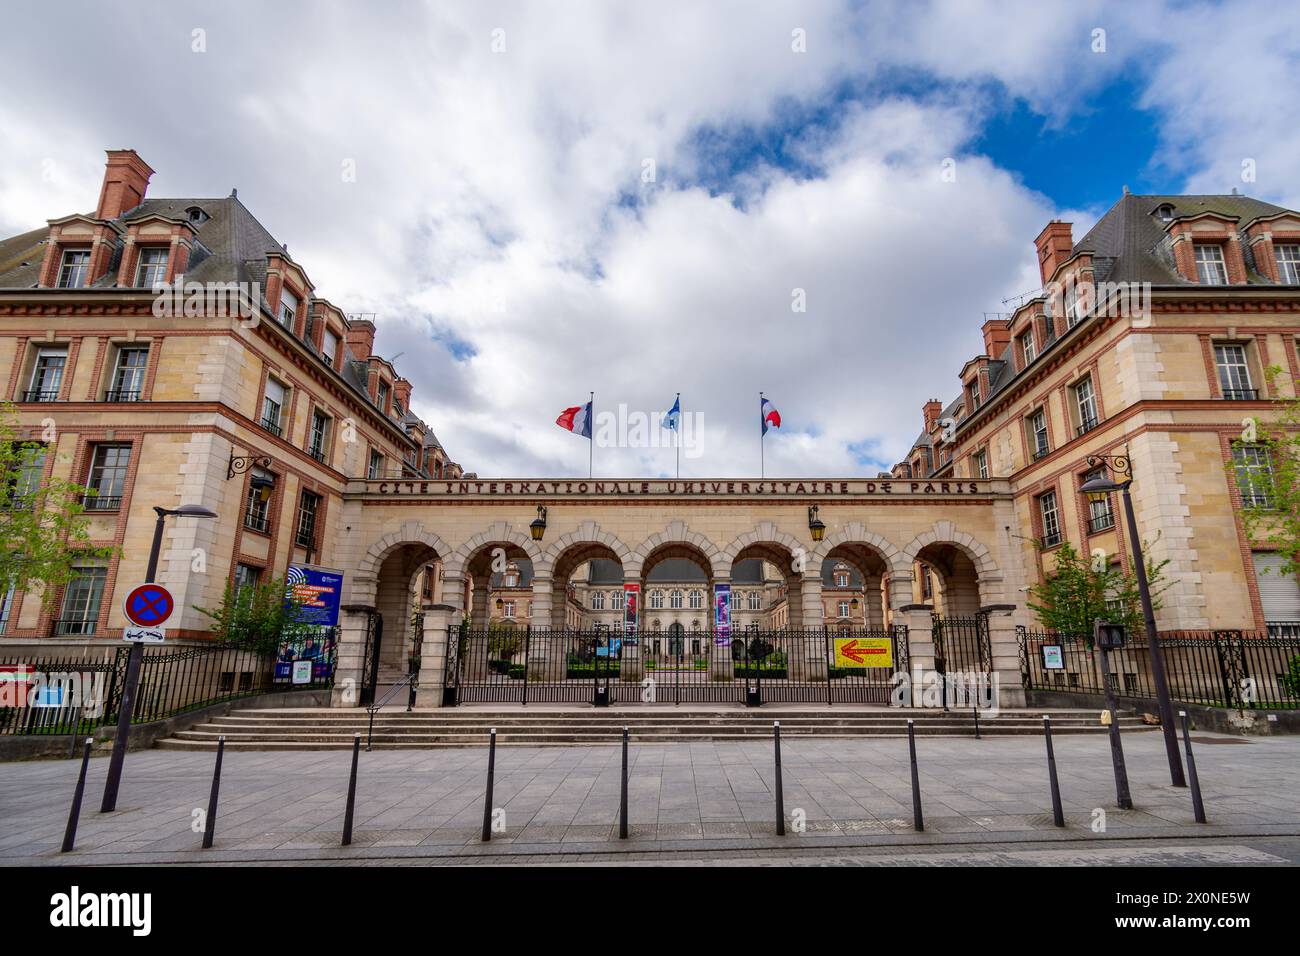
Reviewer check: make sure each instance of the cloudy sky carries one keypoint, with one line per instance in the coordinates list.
(631, 198)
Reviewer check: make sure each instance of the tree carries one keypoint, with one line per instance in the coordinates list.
(43, 536)
(1081, 591)
(259, 616)
(1271, 495)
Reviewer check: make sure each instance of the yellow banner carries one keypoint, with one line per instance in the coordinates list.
(864, 652)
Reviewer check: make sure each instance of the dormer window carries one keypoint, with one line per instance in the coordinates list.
(1028, 350)
(152, 269)
(1288, 263)
(973, 395)
(288, 307)
(329, 346)
(196, 215)
(1210, 267)
(1165, 212)
(74, 268)
(382, 400)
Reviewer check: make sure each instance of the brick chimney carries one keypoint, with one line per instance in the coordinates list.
(126, 177)
(931, 410)
(360, 337)
(1054, 246)
(402, 392)
(997, 336)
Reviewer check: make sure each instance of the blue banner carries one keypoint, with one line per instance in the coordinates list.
(318, 592)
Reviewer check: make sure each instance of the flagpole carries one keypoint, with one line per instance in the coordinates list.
(677, 433)
(591, 441)
(762, 465)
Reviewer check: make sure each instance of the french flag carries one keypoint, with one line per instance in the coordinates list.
(576, 419)
(770, 416)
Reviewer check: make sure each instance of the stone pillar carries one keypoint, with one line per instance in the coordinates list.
(351, 655)
(542, 637)
(1006, 657)
(808, 650)
(438, 620)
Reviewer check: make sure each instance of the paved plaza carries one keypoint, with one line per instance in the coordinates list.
(698, 801)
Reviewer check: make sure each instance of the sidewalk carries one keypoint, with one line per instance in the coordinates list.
(562, 802)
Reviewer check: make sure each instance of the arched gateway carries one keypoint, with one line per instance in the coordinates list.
(671, 590)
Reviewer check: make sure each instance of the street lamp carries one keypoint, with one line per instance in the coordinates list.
(538, 527)
(1096, 490)
(136, 655)
(815, 524)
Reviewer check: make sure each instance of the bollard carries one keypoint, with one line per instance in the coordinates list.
(210, 827)
(1058, 815)
(976, 710)
(352, 791)
(487, 800)
(622, 800)
(1198, 808)
(70, 834)
(780, 789)
(917, 820)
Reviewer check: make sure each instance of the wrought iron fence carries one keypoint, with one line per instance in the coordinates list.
(77, 694)
(1253, 669)
(551, 665)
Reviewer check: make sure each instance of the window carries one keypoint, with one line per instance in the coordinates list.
(307, 509)
(256, 507)
(973, 395)
(74, 268)
(1234, 373)
(697, 599)
(1100, 516)
(1288, 263)
(1073, 310)
(1254, 475)
(81, 601)
(616, 600)
(1038, 434)
(273, 406)
(319, 436)
(676, 600)
(598, 600)
(1085, 403)
(107, 479)
(981, 464)
(329, 346)
(755, 601)
(151, 271)
(6, 606)
(1165, 212)
(1051, 519)
(382, 400)
(508, 608)
(735, 600)
(841, 578)
(47, 375)
(128, 375)
(376, 469)
(844, 608)
(246, 576)
(656, 599)
(927, 583)
(29, 469)
(1028, 350)
(288, 307)
(1210, 268)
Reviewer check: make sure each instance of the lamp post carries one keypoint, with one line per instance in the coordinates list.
(134, 659)
(1096, 490)
(815, 524)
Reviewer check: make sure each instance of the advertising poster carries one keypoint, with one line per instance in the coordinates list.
(318, 592)
(631, 610)
(317, 649)
(722, 614)
(1053, 657)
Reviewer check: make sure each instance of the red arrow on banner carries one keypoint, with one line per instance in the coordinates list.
(853, 652)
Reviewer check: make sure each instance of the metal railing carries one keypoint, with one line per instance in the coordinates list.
(1253, 669)
(1085, 426)
(101, 502)
(41, 395)
(1240, 394)
(1102, 522)
(122, 395)
(272, 427)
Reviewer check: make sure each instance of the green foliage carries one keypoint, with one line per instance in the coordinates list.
(1078, 593)
(42, 532)
(1275, 520)
(258, 616)
(1291, 679)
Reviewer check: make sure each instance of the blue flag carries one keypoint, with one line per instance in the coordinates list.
(674, 413)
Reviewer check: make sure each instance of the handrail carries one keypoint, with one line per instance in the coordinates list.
(409, 679)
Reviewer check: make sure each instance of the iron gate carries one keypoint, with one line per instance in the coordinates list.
(370, 662)
(962, 646)
(556, 665)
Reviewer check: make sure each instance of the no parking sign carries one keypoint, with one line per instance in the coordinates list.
(147, 607)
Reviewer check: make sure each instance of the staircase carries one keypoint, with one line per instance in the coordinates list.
(334, 729)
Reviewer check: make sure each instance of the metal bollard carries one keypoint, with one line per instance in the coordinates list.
(70, 834)
(1058, 815)
(210, 826)
(487, 800)
(917, 821)
(1198, 807)
(780, 789)
(976, 710)
(352, 791)
(622, 804)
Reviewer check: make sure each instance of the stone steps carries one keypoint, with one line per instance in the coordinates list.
(335, 729)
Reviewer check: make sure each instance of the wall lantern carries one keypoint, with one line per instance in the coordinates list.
(815, 524)
(262, 485)
(538, 527)
(853, 605)
(500, 604)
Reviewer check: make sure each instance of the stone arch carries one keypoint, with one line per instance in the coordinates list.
(563, 557)
(969, 576)
(587, 533)
(410, 533)
(677, 533)
(945, 532)
(499, 532)
(855, 532)
(780, 549)
(876, 559)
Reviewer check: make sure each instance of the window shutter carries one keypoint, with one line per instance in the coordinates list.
(1279, 593)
